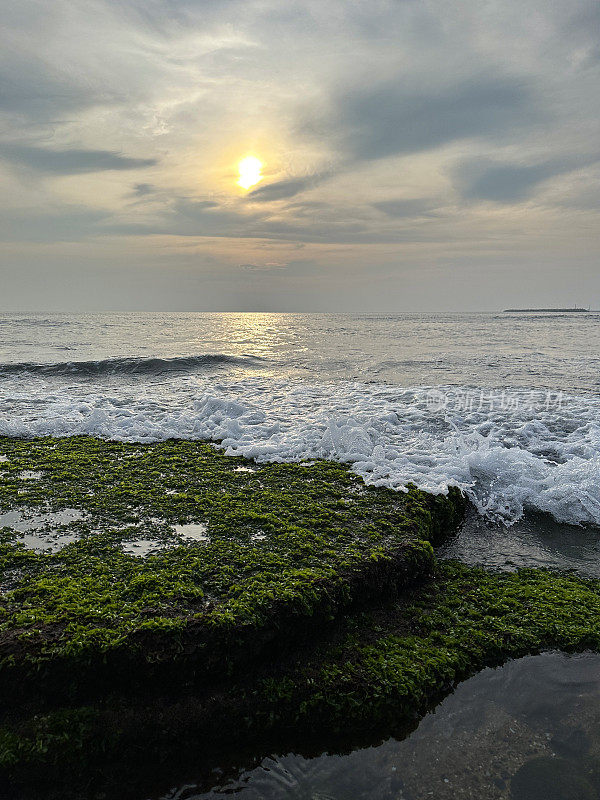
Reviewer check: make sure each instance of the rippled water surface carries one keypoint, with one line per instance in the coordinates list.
(529, 730)
(555, 351)
(534, 541)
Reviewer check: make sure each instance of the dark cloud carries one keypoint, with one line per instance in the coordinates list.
(390, 119)
(584, 28)
(70, 162)
(281, 190)
(278, 190)
(143, 189)
(185, 217)
(31, 89)
(511, 183)
(200, 219)
(194, 208)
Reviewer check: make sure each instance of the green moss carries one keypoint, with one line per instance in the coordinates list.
(388, 666)
(289, 545)
(383, 669)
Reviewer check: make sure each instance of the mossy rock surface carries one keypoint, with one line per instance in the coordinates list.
(285, 548)
(404, 655)
(118, 672)
(374, 675)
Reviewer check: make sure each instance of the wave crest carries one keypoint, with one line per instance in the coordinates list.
(128, 366)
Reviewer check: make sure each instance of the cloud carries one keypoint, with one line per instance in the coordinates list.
(194, 208)
(70, 162)
(503, 182)
(393, 103)
(583, 27)
(143, 189)
(62, 224)
(38, 91)
(327, 225)
(405, 208)
(269, 266)
(281, 190)
(389, 119)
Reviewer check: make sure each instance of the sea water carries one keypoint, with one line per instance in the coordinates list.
(505, 406)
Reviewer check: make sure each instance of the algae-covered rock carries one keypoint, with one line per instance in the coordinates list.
(374, 675)
(126, 563)
(117, 667)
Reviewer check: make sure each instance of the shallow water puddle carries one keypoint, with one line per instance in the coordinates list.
(43, 531)
(141, 547)
(527, 731)
(27, 519)
(196, 531)
(48, 542)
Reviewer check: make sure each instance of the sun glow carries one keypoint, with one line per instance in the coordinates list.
(250, 174)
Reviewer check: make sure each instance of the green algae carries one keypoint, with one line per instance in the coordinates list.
(374, 676)
(288, 546)
(115, 669)
(466, 619)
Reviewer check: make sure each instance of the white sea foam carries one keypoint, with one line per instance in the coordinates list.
(508, 457)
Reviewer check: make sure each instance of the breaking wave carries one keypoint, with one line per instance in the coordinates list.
(510, 458)
(128, 366)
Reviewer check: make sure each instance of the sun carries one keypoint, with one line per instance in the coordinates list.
(250, 174)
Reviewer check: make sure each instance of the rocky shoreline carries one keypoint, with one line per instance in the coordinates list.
(309, 609)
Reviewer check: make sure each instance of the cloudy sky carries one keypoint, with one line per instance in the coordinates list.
(417, 154)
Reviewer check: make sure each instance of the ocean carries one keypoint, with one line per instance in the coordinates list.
(505, 406)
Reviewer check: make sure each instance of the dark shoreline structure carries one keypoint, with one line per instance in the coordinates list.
(573, 310)
(313, 615)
